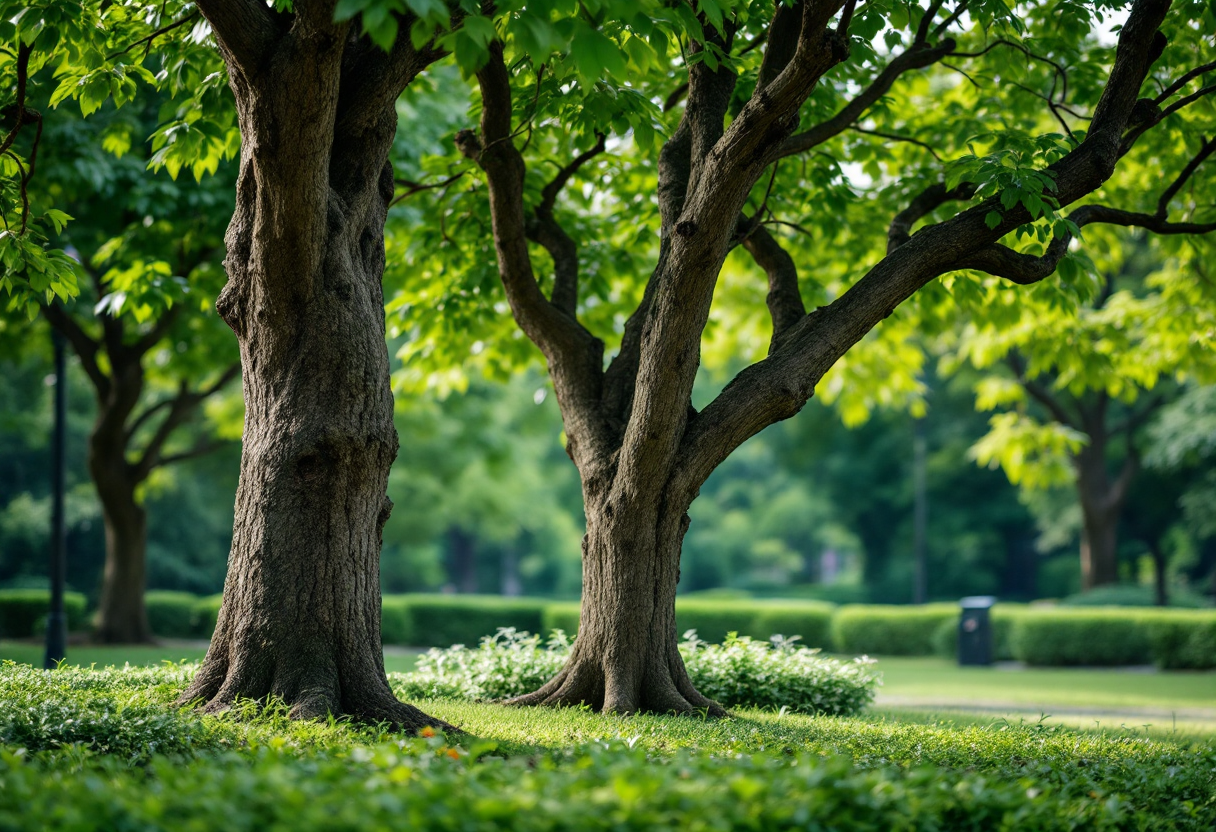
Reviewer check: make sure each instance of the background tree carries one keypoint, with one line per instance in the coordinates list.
(890, 89)
(1079, 385)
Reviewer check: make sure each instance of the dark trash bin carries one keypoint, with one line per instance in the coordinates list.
(975, 640)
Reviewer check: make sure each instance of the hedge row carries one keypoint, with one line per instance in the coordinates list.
(23, 611)
(1104, 636)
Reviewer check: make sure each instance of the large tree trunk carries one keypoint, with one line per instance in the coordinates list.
(625, 658)
(300, 619)
(122, 617)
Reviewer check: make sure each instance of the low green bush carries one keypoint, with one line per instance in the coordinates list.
(442, 620)
(1182, 640)
(206, 611)
(714, 618)
(87, 750)
(23, 611)
(740, 673)
(890, 630)
(1095, 636)
(945, 638)
(396, 620)
(560, 615)
(1133, 595)
(810, 621)
(172, 614)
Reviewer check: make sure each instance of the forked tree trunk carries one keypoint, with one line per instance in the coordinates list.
(625, 658)
(300, 619)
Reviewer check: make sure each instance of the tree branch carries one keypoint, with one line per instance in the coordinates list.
(182, 408)
(777, 387)
(784, 300)
(917, 56)
(159, 330)
(1205, 150)
(900, 230)
(1039, 392)
(575, 357)
(545, 230)
(85, 347)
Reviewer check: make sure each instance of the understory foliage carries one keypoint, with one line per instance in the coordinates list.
(740, 673)
(104, 749)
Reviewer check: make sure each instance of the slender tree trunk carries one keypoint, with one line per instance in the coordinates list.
(625, 658)
(300, 619)
(1161, 595)
(462, 560)
(1101, 507)
(122, 617)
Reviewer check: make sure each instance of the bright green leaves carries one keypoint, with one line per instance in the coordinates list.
(33, 273)
(1032, 454)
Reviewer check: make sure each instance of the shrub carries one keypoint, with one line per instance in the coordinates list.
(890, 630)
(560, 615)
(741, 673)
(1094, 636)
(172, 614)
(945, 638)
(206, 611)
(1182, 640)
(465, 619)
(396, 620)
(714, 618)
(1133, 595)
(23, 611)
(810, 621)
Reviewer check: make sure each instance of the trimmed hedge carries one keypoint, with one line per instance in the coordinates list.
(890, 630)
(1097, 636)
(1108, 636)
(23, 611)
(945, 639)
(396, 620)
(714, 619)
(1183, 640)
(206, 611)
(442, 620)
(172, 614)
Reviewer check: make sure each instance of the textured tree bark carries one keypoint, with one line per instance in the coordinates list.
(300, 619)
(625, 658)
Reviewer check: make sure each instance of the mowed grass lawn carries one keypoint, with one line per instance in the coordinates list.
(916, 689)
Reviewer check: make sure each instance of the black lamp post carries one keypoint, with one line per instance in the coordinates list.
(56, 622)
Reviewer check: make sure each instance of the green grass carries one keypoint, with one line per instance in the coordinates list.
(395, 660)
(105, 750)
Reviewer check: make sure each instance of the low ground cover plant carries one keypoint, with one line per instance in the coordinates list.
(741, 672)
(158, 767)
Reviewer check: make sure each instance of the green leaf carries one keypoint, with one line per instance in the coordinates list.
(992, 219)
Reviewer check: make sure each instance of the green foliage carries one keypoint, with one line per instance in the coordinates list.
(465, 619)
(1183, 642)
(890, 630)
(172, 614)
(78, 767)
(1125, 595)
(945, 638)
(1100, 637)
(23, 611)
(740, 673)
(206, 611)
(396, 620)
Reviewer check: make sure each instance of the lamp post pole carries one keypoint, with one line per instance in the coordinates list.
(56, 622)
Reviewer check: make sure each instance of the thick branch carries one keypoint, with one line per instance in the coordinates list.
(245, 29)
(575, 357)
(182, 408)
(923, 203)
(1039, 392)
(546, 230)
(777, 387)
(85, 347)
(784, 300)
(917, 56)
